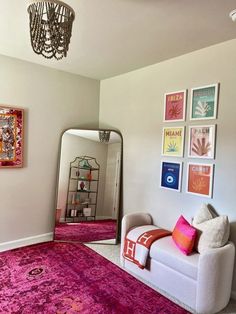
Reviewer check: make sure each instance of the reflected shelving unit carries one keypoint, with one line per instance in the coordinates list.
(82, 191)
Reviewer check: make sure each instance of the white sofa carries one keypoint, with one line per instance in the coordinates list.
(201, 281)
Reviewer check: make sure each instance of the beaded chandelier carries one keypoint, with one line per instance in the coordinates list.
(50, 27)
(104, 136)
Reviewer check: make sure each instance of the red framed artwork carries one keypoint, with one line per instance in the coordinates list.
(200, 177)
(174, 106)
(11, 137)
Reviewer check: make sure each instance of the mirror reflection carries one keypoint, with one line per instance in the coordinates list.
(88, 186)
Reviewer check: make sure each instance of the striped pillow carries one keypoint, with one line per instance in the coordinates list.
(184, 235)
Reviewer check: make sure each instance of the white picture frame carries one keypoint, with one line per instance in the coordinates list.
(201, 141)
(204, 102)
(175, 109)
(201, 182)
(173, 141)
(171, 179)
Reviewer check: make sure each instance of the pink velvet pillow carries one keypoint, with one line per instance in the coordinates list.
(184, 235)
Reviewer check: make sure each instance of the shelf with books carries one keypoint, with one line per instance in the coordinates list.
(84, 203)
(82, 188)
(84, 179)
(84, 168)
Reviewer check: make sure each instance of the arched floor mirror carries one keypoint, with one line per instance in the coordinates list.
(88, 188)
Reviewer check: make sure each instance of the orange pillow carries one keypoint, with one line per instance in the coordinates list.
(184, 235)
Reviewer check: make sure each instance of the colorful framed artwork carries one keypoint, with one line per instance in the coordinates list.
(204, 101)
(171, 175)
(174, 106)
(11, 137)
(173, 141)
(201, 141)
(199, 179)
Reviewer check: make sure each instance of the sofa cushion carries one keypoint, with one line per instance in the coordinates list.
(203, 214)
(184, 235)
(213, 231)
(165, 251)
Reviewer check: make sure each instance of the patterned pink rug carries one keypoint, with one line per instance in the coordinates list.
(86, 231)
(69, 278)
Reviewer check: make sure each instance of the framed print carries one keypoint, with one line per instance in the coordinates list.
(11, 137)
(199, 179)
(171, 175)
(174, 106)
(202, 141)
(173, 141)
(204, 102)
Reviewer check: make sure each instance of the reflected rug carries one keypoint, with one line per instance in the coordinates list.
(86, 231)
(69, 278)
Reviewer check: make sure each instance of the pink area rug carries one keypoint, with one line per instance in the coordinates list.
(69, 278)
(86, 231)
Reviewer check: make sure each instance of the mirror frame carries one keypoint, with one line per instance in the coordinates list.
(120, 207)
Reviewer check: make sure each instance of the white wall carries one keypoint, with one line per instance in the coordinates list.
(53, 101)
(133, 103)
(114, 150)
(72, 147)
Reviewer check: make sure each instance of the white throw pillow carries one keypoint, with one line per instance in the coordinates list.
(203, 214)
(213, 232)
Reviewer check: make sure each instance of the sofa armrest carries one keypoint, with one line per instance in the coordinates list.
(129, 221)
(215, 273)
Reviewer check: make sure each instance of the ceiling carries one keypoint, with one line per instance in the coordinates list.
(111, 37)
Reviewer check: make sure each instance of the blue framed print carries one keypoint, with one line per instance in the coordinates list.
(171, 175)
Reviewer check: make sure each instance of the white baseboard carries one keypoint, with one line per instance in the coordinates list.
(233, 294)
(62, 220)
(5, 246)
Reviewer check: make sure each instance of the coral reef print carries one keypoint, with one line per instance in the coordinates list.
(175, 106)
(201, 148)
(67, 278)
(202, 109)
(202, 141)
(199, 185)
(204, 102)
(200, 179)
(174, 112)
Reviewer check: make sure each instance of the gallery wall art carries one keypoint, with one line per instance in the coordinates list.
(200, 178)
(173, 141)
(11, 137)
(204, 101)
(171, 175)
(201, 141)
(174, 106)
